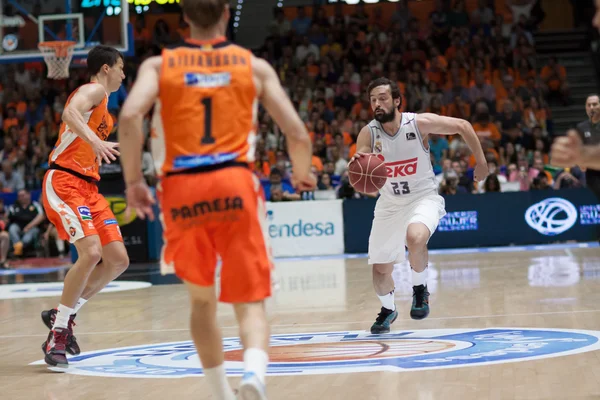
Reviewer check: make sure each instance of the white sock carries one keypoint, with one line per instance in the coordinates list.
(256, 361)
(218, 382)
(60, 246)
(387, 301)
(79, 304)
(62, 317)
(419, 278)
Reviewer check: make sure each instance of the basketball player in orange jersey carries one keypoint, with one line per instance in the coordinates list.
(73, 204)
(205, 96)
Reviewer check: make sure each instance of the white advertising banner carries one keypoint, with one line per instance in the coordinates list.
(306, 228)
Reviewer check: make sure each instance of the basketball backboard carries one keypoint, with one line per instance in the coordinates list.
(25, 23)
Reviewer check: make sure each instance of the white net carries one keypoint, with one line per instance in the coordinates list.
(58, 56)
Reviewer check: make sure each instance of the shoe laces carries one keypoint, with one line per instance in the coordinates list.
(383, 314)
(60, 339)
(419, 295)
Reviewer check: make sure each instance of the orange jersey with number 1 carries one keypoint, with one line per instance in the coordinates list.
(212, 205)
(207, 107)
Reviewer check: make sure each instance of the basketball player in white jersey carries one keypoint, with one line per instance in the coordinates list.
(409, 208)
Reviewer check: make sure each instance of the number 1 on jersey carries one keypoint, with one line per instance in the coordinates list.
(207, 137)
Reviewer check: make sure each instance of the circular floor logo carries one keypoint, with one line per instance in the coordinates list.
(31, 290)
(345, 352)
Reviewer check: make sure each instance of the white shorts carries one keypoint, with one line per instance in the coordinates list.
(388, 233)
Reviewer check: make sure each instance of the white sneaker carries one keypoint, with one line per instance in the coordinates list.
(251, 388)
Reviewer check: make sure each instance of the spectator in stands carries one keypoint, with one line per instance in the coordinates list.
(483, 13)
(554, 77)
(438, 147)
(569, 178)
(24, 219)
(491, 184)
(276, 181)
(51, 234)
(4, 237)
(464, 180)
(11, 180)
(301, 24)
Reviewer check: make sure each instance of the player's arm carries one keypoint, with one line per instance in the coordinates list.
(363, 144)
(278, 105)
(87, 97)
(139, 102)
(440, 125)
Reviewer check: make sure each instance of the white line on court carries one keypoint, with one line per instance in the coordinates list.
(320, 323)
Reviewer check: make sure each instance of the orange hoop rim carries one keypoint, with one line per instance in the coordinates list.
(57, 45)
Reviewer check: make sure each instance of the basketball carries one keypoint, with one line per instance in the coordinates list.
(367, 174)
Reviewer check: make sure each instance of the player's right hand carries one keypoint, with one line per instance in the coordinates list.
(140, 198)
(106, 151)
(304, 184)
(356, 156)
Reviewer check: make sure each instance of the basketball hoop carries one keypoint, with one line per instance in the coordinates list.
(57, 55)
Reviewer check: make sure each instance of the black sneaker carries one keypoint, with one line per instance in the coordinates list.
(420, 304)
(48, 318)
(55, 347)
(384, 319)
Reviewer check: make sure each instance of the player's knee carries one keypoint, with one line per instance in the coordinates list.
(417, 238)
(383, 269)
(92, 255)
(120, 263)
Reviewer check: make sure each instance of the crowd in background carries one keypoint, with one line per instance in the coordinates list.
(468, 65)
(462, 64)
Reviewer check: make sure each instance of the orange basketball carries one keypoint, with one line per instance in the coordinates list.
(367, 174)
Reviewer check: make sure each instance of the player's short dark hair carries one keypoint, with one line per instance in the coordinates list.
(204, 13)
(592, 95)
(385, 81)
(100, 56)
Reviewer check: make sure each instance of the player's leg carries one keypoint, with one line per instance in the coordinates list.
(246, 274)
(64, 205)
(114, 255)
(190, 250)
(385, 248)
(423, 221)
(207, 338)
(61, 338)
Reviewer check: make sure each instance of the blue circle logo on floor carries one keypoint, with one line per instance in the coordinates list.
(346, 352)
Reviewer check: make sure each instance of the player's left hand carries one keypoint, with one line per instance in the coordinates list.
(140, 198)
(567, 150)
(304, 184)
(481, 172)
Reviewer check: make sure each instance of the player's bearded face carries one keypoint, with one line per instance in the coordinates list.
(384, 114)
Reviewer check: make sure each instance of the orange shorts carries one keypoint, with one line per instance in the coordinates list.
(77, 210)
(217, 213)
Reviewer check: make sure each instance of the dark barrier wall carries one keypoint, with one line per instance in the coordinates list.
(494, 219)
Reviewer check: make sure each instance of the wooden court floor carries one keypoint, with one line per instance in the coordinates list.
(514, 325)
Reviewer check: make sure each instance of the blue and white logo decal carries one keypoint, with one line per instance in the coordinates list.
(589, 214)
(458, 221)
(84, 213)
(551, 216)
(219, 79)
(346, 352)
